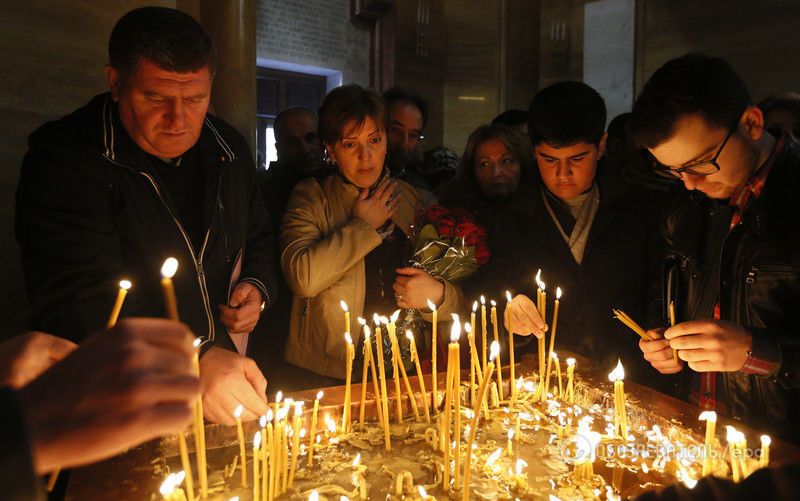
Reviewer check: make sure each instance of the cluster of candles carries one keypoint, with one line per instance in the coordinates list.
(277, 446)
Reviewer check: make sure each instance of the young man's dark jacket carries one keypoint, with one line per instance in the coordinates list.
(615, 271)
(755, 273)
(92, 210)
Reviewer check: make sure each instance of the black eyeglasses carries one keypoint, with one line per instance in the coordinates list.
(702, 168)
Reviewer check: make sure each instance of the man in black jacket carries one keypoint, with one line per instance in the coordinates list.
(733, 237)
(141, 174)
(577, 222)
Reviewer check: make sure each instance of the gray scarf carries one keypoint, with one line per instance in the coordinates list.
(583, 208)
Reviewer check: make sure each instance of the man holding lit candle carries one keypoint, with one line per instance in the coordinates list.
(139, 174)
(733, 237)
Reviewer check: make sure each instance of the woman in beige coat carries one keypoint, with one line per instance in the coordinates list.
(346, 237)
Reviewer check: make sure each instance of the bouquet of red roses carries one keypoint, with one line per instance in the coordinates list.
(450, 243)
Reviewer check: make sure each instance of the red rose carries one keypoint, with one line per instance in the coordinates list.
(446, 228)
(435, 213)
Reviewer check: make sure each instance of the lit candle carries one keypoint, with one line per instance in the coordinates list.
(763, 460)
(511, 357)
(170, 489)
(434, 349)
(620, 414)
(476, 410)
(541, 391)
(366, 353)
(741, 444)
(586, 442)
(384, 394)
(314, 496)
(497, 339)
(571, 381)
(509, 445)
(298, 414)
(276, 405)
(710, 417)
(672, 323)
(267, 455)
(242, 452)
(168, 270)
(390, 331)
(311, 438)
(558, 374)
(420, 377)
(455, 347)
(471, 339)
(484, 346)
(350, 354)
(256, 451)
(346, 315)
(124, 285)
(358, 477)
(472, 317)
(552, 341)
(521, 480)
(732, 438)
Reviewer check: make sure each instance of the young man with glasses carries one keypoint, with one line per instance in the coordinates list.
(733, 244)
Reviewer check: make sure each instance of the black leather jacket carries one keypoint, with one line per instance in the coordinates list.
(754, 270)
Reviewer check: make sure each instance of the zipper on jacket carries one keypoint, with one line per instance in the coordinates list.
(198, 265)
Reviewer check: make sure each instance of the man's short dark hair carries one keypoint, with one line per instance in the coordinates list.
(277, 125)
(346, 104)
(694, 83)
(566, 113)
(514, 118)
(405, 94)
(171, 39)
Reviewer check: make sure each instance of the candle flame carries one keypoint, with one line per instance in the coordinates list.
(431, 306)
(708, 416)
(384, 320)
(197, 342)
(237, 413)
(262, 421)
(357, 460)
(455, 331)
(319, 395)
(544, 287)
(521, 464)
(332, 426)
(494, 351)
(618, 374)
(348, 338)
(367, 332)
(731, 435)
(422, 492)
(508, 296)
(376, 319)
(125, 284)
(570, 362)
(395, 316)
(269, 415)
(409, 335)
(278, 397)
(510, 434)
(474, 306)
(468, 329)
(302, 433)
(343, 305)
(361, 321)
(172, 481)
(538, 278)
(314, 496)
(169, 268)
(493, 457)
(493, 303)
(257, 440)
(483, 300)
(765, 441)
(298, 408)
(554, 355)
(558, 292)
